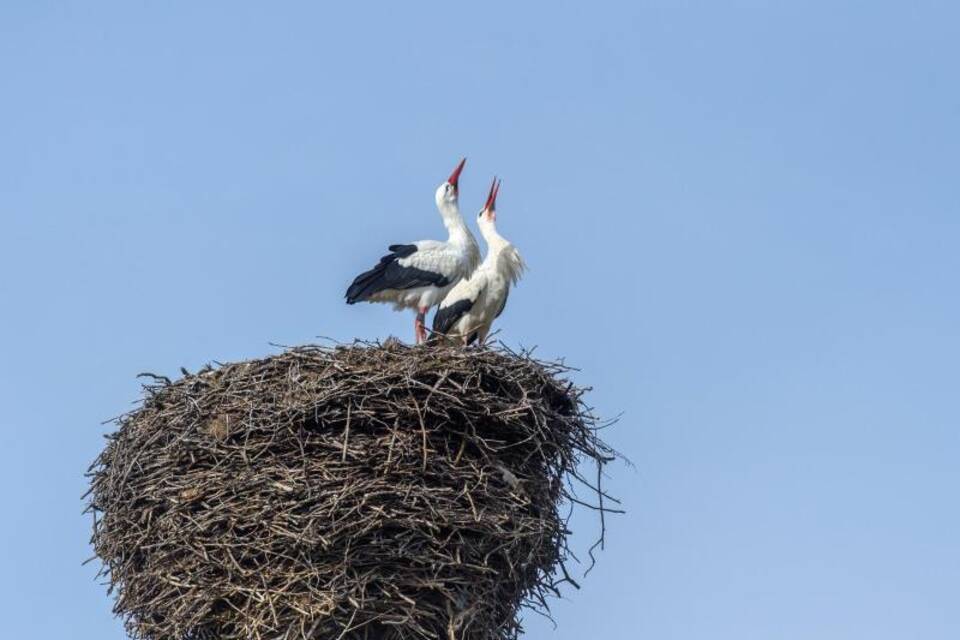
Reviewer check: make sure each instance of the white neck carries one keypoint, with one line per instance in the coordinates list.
(453, 221)
(495, 242)
(502, 257)
(458, 234)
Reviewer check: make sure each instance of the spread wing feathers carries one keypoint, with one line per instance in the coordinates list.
(457, 304)
(407, 266)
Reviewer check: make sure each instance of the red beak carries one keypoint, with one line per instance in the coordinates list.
(492, 196)
(455, 176)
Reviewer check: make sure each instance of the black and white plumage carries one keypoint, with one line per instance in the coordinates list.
(392, 274)
(467, 313)
(418, 275)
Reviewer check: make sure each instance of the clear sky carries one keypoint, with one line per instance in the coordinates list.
(742, 221)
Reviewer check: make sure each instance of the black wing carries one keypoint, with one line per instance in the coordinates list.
(389, 274)
(446, 317)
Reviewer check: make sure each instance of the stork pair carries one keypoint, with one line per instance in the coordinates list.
(423, 274)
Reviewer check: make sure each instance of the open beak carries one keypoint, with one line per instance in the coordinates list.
(491, 206)
(455, 176)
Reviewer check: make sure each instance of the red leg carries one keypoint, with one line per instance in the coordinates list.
(419, 327)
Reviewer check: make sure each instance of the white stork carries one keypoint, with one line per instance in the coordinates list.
(419, 275)
(468, 311)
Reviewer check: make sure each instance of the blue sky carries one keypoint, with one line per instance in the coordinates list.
(742, 224)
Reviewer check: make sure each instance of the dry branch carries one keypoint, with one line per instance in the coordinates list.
(365, 491)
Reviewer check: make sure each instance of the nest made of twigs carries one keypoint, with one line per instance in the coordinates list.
(361, 491)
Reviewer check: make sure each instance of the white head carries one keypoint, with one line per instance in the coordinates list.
(448, 192)
(501, 254)
(487, 218)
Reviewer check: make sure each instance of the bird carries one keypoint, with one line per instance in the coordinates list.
(467, 313)
(418, 275)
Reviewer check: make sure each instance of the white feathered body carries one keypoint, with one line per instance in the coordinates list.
(467, 313)
(453, 260)
(420, 274)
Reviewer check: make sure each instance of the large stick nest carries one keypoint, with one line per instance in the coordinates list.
(368, 491)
